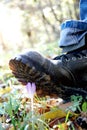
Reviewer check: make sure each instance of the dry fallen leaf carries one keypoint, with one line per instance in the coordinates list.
(54, 114)
(63, 126)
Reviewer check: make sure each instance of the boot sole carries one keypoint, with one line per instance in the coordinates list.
(25, 73)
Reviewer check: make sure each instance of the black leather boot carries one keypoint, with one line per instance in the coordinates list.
(75, 63)
(69, 70)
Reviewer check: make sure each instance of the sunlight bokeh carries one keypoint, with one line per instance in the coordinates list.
(10, 27)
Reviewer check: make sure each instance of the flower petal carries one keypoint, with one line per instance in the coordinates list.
(33, 88)
(28, 86)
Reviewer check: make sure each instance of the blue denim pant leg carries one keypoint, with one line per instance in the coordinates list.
(73, 31)
(72, 35)
(83, 10)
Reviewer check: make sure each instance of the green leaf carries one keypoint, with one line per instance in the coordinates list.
(2, 111)
(84, 106)
(1, 128)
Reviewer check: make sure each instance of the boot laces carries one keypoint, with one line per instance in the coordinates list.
(73, 56)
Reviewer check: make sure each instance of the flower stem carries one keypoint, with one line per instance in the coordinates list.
(32, 110)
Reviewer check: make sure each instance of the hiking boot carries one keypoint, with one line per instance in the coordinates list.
(76, 64)
(66, 70)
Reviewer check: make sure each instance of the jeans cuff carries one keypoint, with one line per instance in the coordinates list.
(82, 25)
(74, 47)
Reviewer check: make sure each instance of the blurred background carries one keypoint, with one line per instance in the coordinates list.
(26, 24)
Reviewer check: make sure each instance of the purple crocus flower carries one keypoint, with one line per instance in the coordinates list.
(31, 89)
